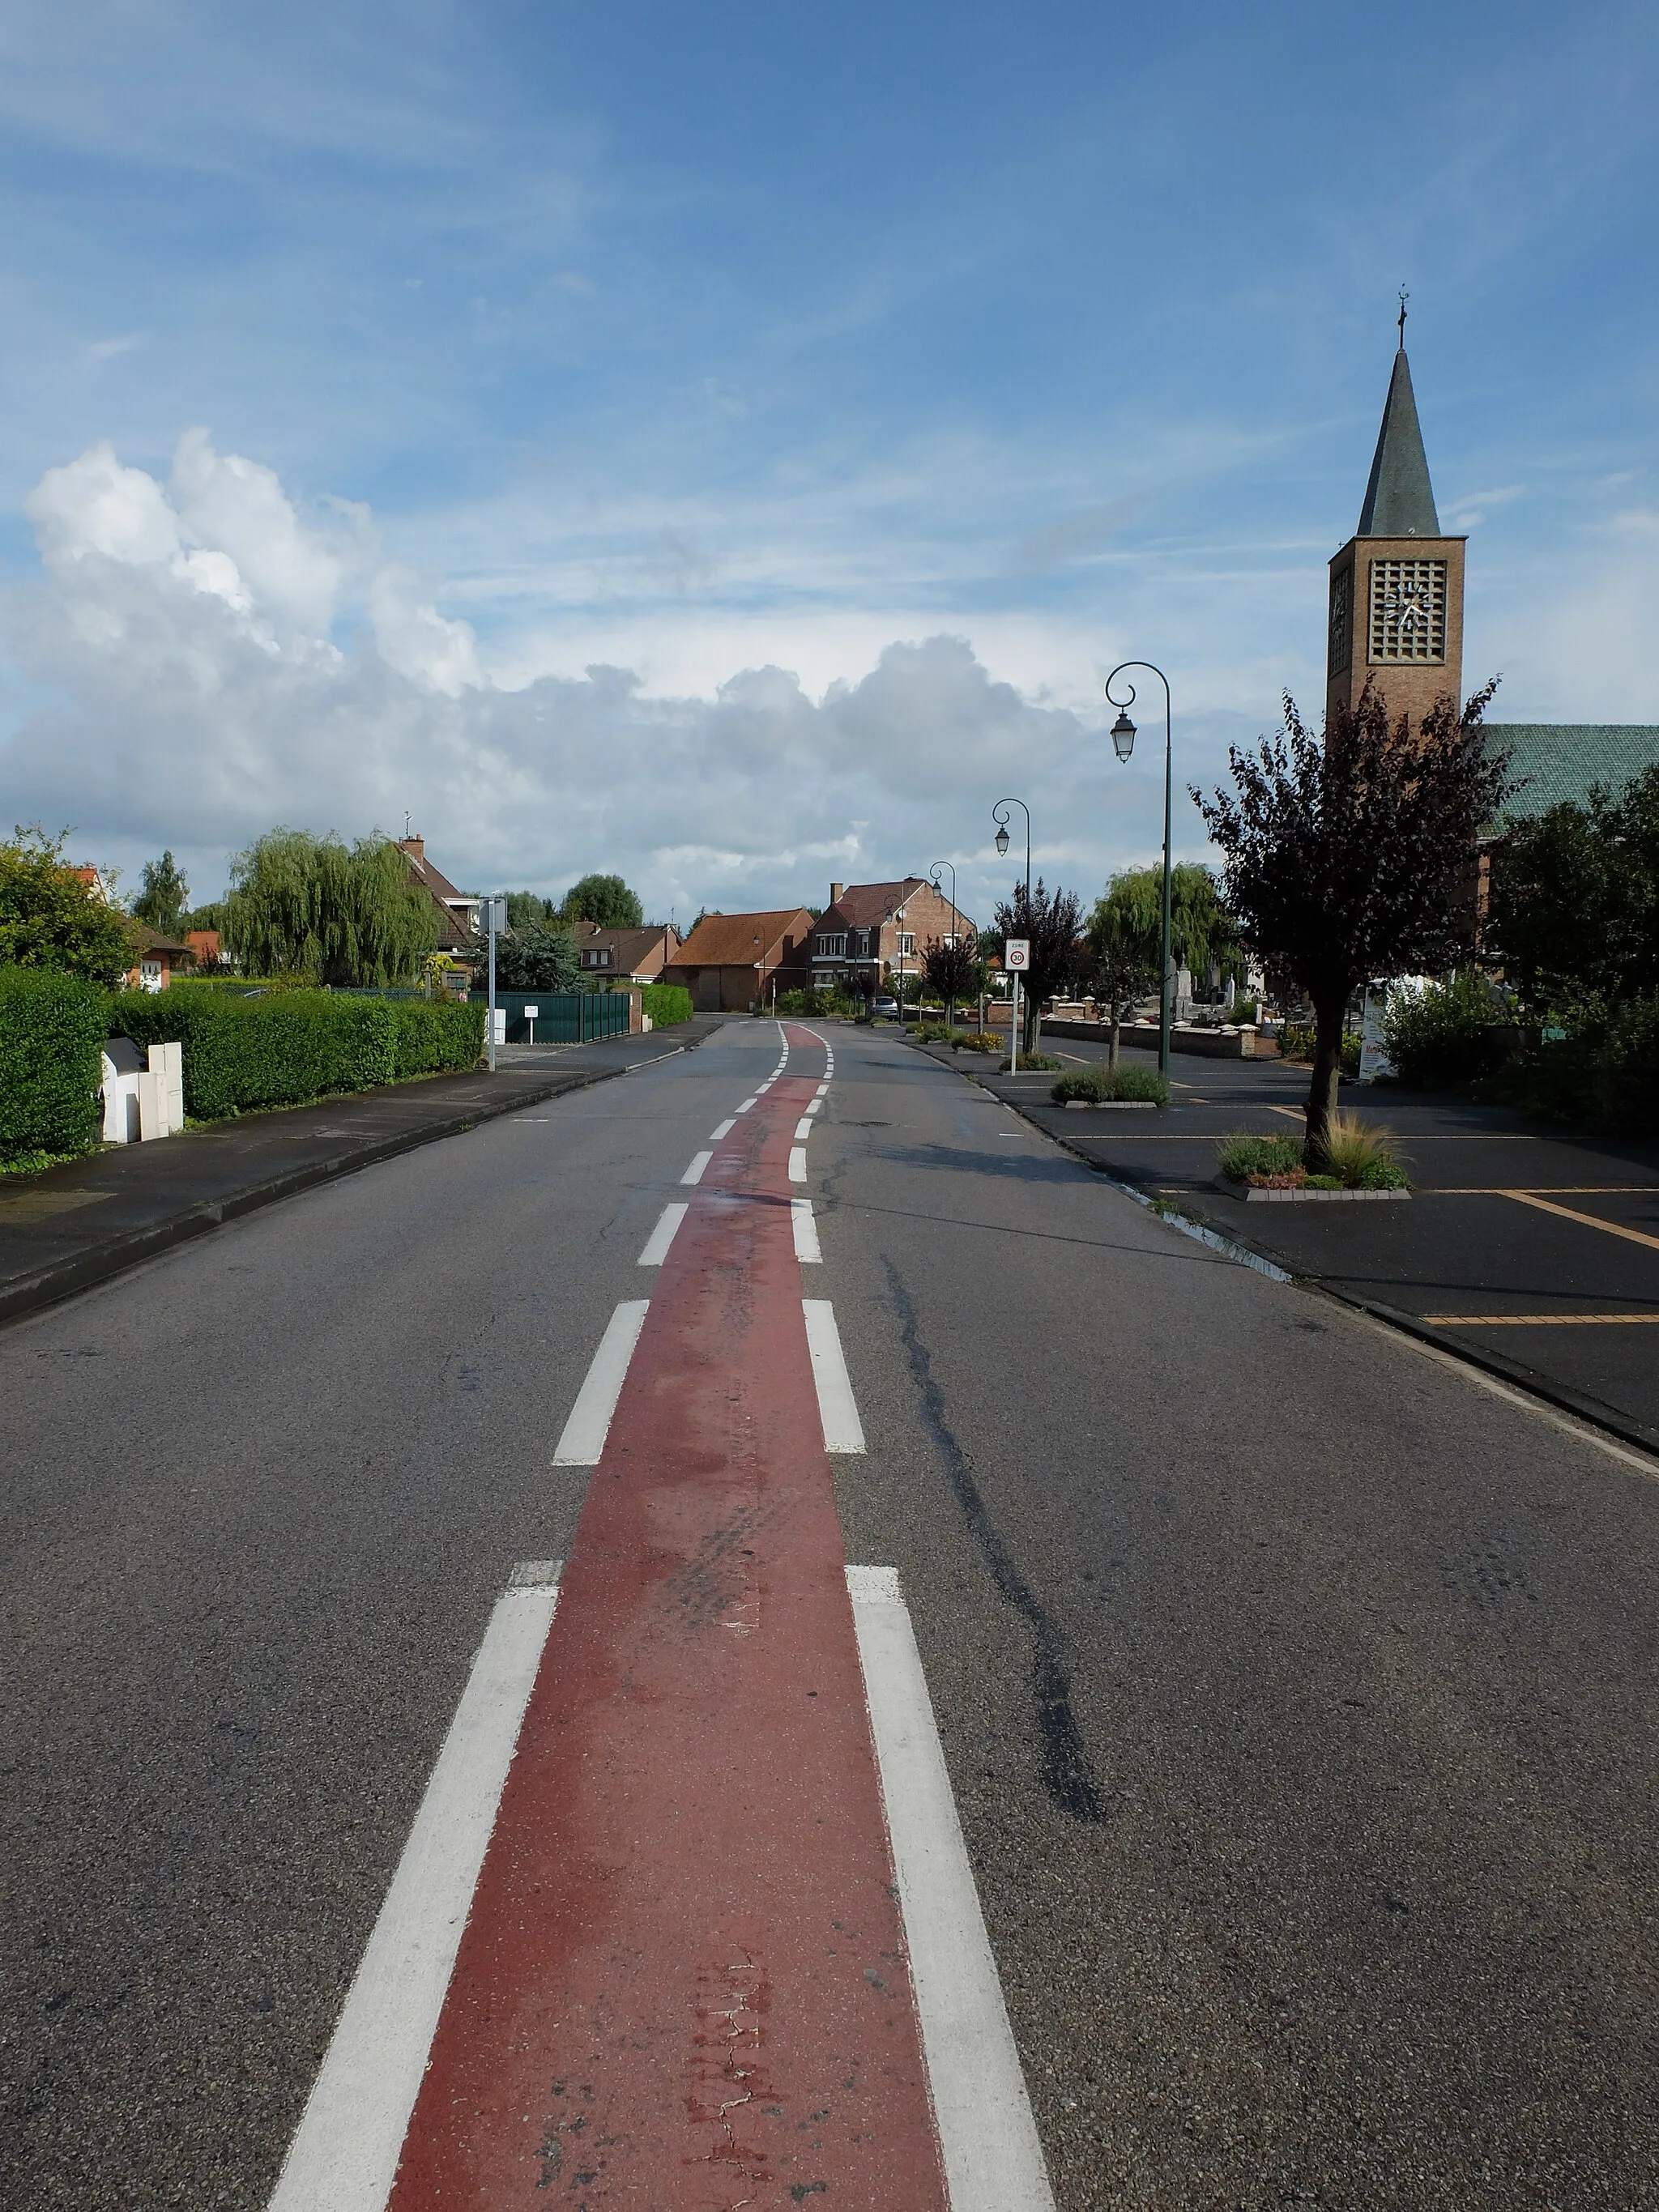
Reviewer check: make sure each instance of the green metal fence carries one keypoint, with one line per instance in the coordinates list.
(561, 1017)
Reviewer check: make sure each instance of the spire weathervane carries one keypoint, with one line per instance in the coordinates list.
(1404, 296)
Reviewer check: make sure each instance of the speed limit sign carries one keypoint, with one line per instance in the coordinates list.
(1017, 954)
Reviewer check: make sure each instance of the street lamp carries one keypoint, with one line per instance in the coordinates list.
(1123, 743)
(1000, 816)
(951, 1009)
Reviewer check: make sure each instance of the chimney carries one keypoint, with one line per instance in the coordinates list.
(414, 846)
(835, 890)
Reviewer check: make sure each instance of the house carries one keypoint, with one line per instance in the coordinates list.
(152, 970)
(627, 955)
(870, 933)
(206, 946)
(460, 921)
(732, 961)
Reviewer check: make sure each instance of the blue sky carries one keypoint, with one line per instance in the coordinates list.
(848, 387)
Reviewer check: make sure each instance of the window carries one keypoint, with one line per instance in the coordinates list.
(907, 945)
(833, 947)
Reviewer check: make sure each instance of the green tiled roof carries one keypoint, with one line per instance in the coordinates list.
(1554, 761)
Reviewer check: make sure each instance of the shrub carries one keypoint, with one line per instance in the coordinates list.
(242, 1054)
(1244, 1012)
(667, 1004)
(1035, 1063)
(1297, 1042)
(50, 919)
(1113, 1085)
(1245, 1158)
(1453, 1032)
(53, 1027)
(975, 1040)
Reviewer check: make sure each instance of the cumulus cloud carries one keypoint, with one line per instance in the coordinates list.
(202, 657)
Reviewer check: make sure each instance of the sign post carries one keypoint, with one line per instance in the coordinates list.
(1016, 959)
(495, 910)
(529, 1014)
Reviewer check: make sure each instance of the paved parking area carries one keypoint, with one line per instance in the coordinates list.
(1537, 1253)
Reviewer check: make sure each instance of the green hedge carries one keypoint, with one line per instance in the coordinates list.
(242, 1054)
(667, 1004)
(52, 1036)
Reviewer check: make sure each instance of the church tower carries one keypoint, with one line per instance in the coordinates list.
(1396, 607)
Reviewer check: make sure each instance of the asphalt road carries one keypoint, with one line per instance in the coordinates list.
(1297, 1687)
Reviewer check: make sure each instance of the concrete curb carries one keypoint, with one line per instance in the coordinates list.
(29, 1294)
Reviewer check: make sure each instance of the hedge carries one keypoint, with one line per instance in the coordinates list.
(667, 1004)
(52, 1037)
(242, 1054)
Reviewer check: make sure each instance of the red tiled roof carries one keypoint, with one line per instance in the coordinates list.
(729, 941)
(862, 906)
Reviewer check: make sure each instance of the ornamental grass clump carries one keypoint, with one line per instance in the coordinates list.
(1359, 1154)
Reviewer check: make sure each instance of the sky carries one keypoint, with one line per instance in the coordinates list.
(733, 445)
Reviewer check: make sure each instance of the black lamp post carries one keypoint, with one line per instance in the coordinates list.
(1000, 816)
(951, 1009)
(1123, 743)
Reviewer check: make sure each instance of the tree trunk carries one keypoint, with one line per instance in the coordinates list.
(1033, 1024)
(1112, 1061)
(1322, 1093)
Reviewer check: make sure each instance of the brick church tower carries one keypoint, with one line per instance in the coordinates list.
(1396, 607)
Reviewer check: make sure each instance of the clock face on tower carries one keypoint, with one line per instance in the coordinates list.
(1408, 612)
(1341, 591)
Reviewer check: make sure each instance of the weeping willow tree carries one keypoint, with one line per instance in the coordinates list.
(315, 908)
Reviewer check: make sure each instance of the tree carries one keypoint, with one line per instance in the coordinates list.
(1201, 931)
(953, 969)
(529, 910)
(1123, 942)
(1051, 923)
(50, 918)
(1575, 901)
(606, 900)
(536, 958)
(311, 908)
(1355, 858)
(163, 895)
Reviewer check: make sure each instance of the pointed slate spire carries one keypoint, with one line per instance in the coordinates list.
(1400, 499)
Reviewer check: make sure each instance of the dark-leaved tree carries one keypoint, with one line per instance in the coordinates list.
(1050, 922)
(953, 970)
(1355, 858)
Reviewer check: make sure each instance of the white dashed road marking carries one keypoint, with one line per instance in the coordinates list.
(582, 1439)
(662, 1236)
(694, 1173)
(843, 1432)
(806, 1232)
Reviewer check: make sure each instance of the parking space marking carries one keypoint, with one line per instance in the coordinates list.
(1589, 1220)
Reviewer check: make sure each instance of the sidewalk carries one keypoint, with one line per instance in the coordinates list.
(1528, 1252)
(75, 1225)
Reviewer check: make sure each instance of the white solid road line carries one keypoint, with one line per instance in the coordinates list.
(747, 1103)
(724, 1130)
(662, 1236)
(582, 1439)
(993, 2160)
(803, 1130)
(343, 2156)
(843, 1432)
(798, 1164)
(807, 1249)
(694, 1173)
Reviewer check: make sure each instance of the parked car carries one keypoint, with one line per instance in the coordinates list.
(885, 1008)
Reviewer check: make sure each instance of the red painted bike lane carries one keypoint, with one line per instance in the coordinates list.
(683, 1986)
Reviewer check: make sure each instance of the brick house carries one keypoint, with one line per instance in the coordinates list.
(459, 920)
(732, 961)
(869, 933)
(629, 956)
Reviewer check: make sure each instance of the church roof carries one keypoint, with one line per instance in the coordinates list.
(1400, 499)
(1557, 763)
